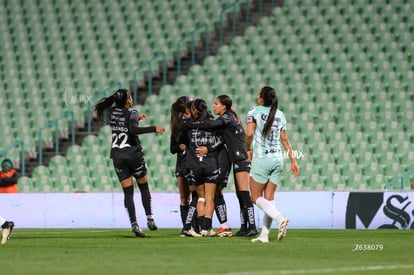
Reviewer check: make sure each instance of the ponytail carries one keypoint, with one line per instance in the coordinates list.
(177, 111)
(270, 99)
(119, 98)
(103, 105)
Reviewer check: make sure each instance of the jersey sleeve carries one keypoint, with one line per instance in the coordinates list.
(133, 125)
(250, 116)
(174, 146)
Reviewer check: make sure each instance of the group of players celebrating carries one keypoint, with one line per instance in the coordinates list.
(207, 150)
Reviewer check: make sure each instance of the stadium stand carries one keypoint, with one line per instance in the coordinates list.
(343, 73)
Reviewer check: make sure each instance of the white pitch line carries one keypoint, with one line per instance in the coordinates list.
(327, 270)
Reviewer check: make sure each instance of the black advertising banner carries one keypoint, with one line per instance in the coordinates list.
(379, 211)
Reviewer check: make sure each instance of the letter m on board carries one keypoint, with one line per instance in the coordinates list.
(364, 206)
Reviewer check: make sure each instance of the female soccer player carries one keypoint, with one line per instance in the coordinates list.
(234, 139)
(203, 170)
(126, 152)
(180, 110)
(6, 229)
(266, 129)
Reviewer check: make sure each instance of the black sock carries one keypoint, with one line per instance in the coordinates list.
(191, 213)
(183, 213)
(243, 213)
(220, 208)
(248, 205)
(146, 198)
(189, 220)
(207, 223)
(129, 203)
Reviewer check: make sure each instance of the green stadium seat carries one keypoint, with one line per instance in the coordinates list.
(62, 182)
(25, 184)
(42, 179)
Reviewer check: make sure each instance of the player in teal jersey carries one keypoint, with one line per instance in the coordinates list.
(265, 133)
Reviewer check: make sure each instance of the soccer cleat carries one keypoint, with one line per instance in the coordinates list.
(260, 240)
(282, 229)
(224, 232)
(241, 233)
(151, 225)
(251, 232)
(138, 231)
(191, 233)
(6, 232)
(208, 233)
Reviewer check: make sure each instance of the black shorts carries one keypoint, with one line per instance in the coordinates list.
(224, 165)
(223, 177)
(241, 166)
(199, 176)
(180, 168)
(126, 168)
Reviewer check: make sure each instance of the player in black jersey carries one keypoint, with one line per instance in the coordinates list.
(203, 169)
(235, 141)
(126, 152)
(180, 110)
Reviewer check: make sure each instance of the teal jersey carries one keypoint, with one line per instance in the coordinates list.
(269, 147)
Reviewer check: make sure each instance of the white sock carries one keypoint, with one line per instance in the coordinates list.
(224, 225)
(2, 221)
(266, 225)
(270, 209)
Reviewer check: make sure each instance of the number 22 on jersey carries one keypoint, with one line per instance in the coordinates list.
(120, 140)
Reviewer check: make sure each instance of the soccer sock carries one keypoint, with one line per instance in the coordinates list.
(200, 221)
(267, 223)
(190, 217)
(129, 203)
(207, 223)
(243, 219)
(269, 209)
(146, 199)
(221, 210)
(183, 212)
(243, 213)
(248, 205)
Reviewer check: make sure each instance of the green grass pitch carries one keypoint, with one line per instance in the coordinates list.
(118, 251)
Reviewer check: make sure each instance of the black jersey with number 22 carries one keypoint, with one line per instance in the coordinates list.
(124, 125)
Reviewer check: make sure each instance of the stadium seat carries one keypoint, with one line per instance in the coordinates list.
(348, 63)
(25, 184)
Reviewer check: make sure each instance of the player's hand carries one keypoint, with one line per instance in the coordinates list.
(295, 168)
(250, 155)
(183, 147)
(159, 129)
(201, 151)
(142, 116)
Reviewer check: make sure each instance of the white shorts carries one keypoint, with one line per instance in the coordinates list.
(267, 169)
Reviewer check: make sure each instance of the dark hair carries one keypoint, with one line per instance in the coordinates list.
(200, 106)
(119, 98)
(269, 97)
(177, 111)
(228, 103)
